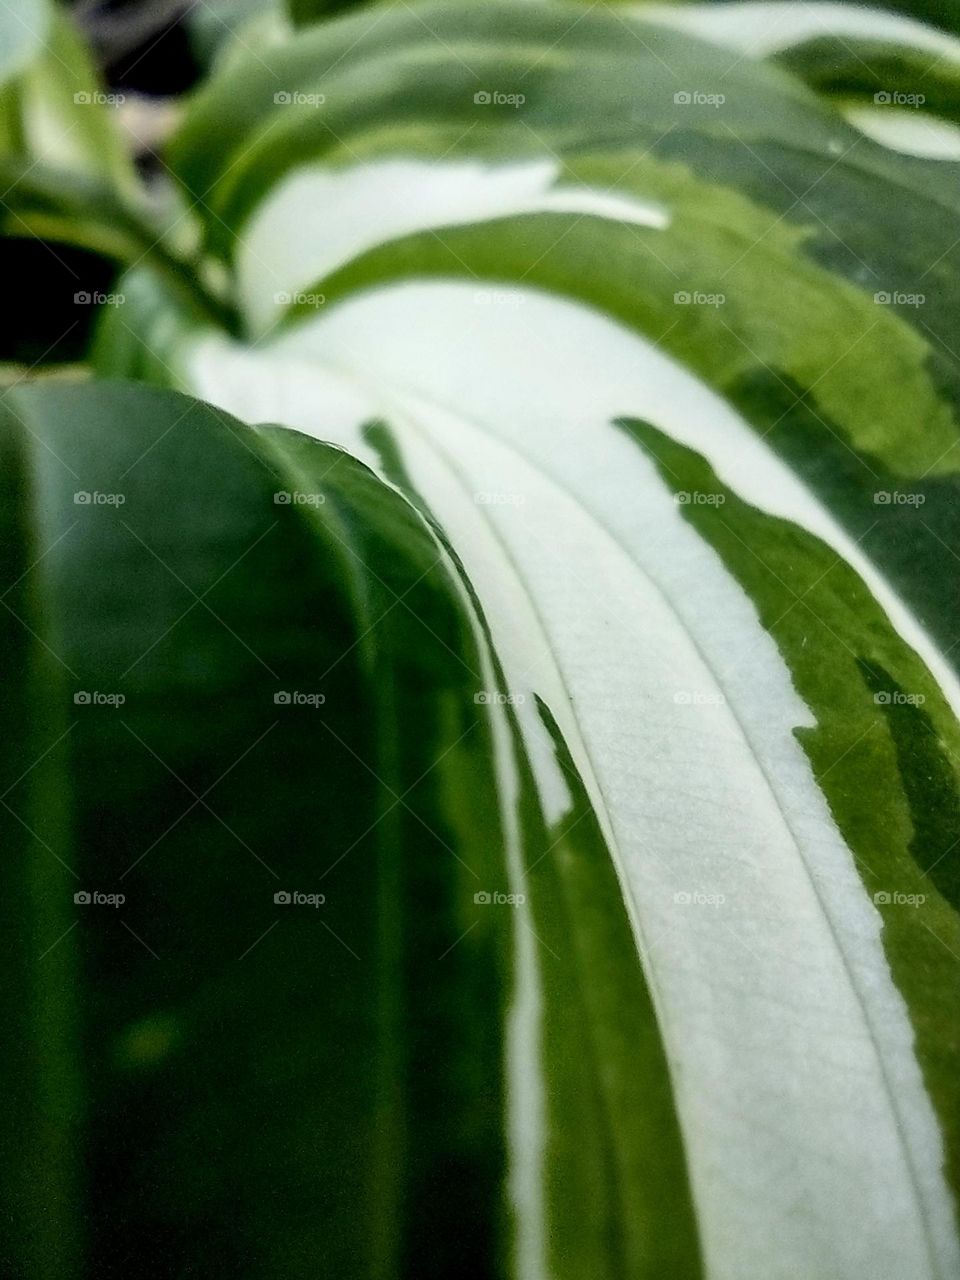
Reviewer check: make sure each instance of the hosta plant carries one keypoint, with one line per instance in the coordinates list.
(502, 817)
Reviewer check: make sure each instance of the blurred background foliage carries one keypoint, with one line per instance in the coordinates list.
(149, 54)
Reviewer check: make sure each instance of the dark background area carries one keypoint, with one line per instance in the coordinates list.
(144, 47)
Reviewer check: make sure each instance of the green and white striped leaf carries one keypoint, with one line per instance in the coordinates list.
(767, 200)
(749, 885)
(638, 577)
(244, 675)
(895, 78)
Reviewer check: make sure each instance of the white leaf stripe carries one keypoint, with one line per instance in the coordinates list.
(635, 373)
(758, 29)
(361, 209)
(553, 1156)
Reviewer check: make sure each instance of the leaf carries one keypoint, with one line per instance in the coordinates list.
(68, 179)
(637, 579)
(23, 30)
(68, 115)
(768, 202)
(681, 709)
(303, 12)
(198, 609)
(905, 72)
(219, 29)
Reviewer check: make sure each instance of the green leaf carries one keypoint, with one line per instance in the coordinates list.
(68, 178)
(765, 199)
(303, 12)
(938, 13)
(69, 118)
(637, 576)
(905, 72)
(680, 695)
(224, 27)
(250, 668)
